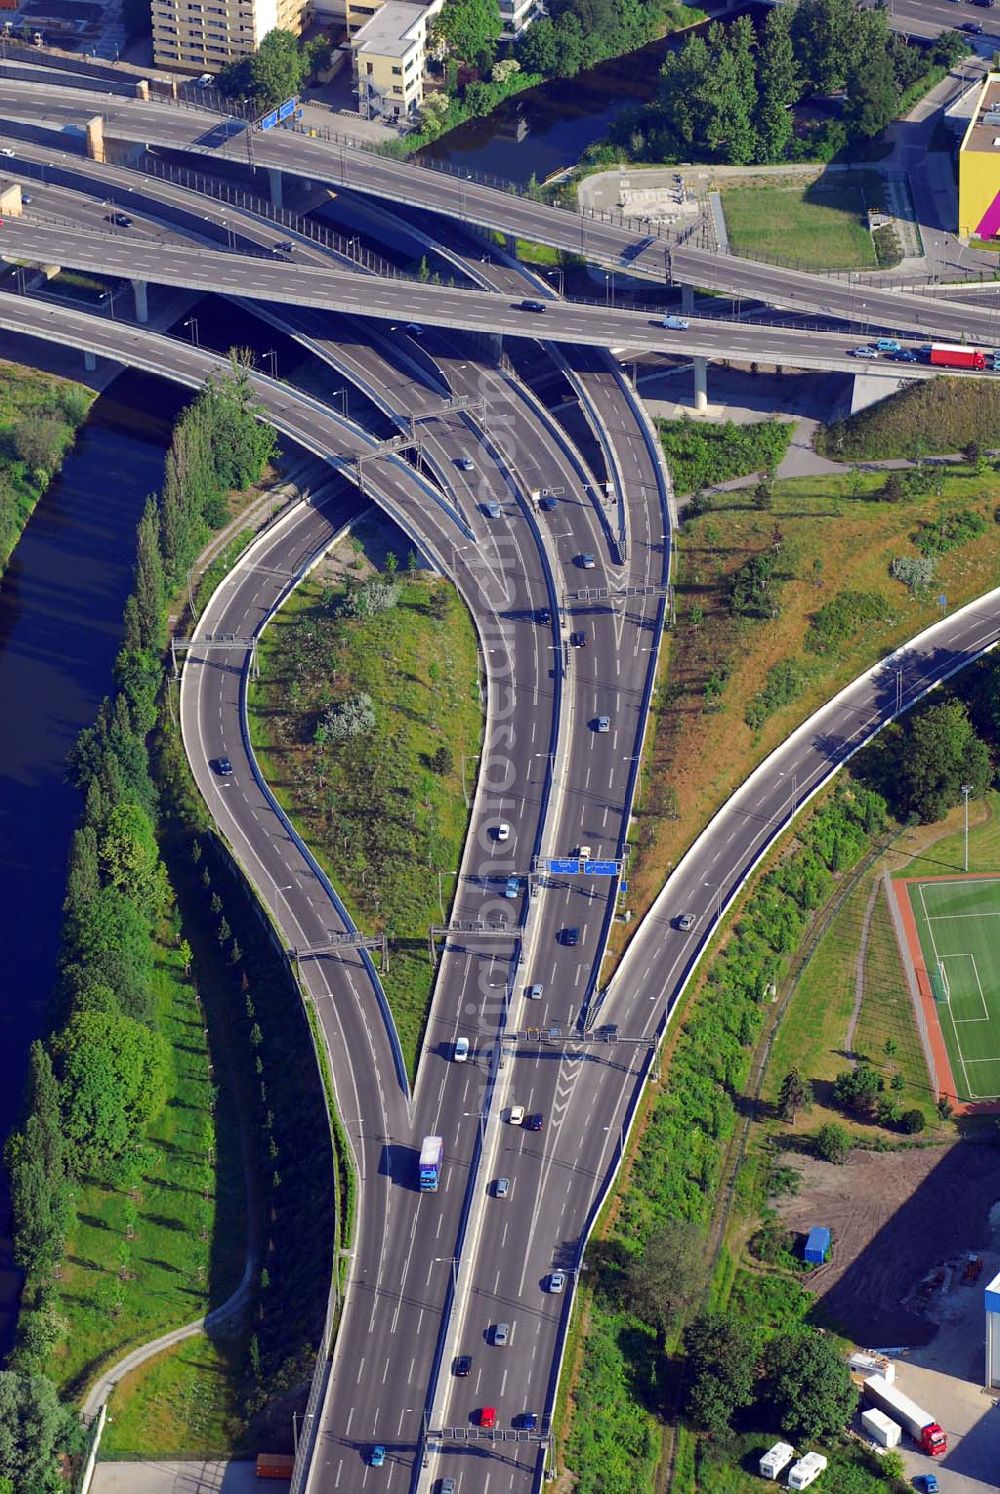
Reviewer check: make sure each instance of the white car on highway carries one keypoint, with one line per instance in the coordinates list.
(676, 323)
(460, 1052)
(502, 831)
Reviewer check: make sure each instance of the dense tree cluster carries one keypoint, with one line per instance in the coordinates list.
(921, 762)
(799, 1381)
(38, 430)
(727, 94)
(103, 1073)
(275, 72)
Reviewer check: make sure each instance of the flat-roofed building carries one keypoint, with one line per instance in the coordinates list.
(979, 167)
(389, 52)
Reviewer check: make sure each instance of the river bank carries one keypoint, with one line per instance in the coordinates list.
(61, 604)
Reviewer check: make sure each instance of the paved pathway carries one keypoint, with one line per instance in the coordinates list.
(180, 1477)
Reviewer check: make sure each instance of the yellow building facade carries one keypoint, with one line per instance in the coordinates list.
(979, 167)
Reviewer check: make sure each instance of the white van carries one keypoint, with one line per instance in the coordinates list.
(460, 1052)
(516, 1116)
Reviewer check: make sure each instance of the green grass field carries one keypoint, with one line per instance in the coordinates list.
(958, 938)
(817, 225)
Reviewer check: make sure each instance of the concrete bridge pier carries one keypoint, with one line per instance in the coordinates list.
(141, 300)
(510, 243)
(277, 194)
(491, 344)
(700, 385)
(687, 300)
(94, 138)
(89, 360)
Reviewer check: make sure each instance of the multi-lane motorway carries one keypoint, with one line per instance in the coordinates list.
(580, 528)
(431, 1276)
(343, 163)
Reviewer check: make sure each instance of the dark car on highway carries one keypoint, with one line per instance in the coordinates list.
(530, 306)
(570, 936)
(534, 1122)
(222, 766)
(120, 220)
(462, 1365)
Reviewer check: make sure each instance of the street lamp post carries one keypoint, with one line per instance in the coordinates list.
(192, 323)
(966, 791)
(272, 354)
(454, 1261)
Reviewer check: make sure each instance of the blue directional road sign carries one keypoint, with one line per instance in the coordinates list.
(287, 108)
(601, 868)
(567, 867)
(269, 120)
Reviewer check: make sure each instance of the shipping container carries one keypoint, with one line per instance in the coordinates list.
(886, 1432)
(275, 1465)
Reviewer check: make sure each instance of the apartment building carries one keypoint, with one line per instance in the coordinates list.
(201, 36)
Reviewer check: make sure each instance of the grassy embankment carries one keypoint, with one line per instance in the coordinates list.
(186, 1222)
(39, 417)
(722, 672)
(856, 538)
(813, 221)
(699, 456)
(377, 815)
(623, 1375)
(932, 416)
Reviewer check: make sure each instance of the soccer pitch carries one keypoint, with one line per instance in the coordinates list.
(958, 925)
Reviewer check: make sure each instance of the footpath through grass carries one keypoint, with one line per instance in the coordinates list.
(776, 611)
(384, 812)
(815, 223)
(141, 1260)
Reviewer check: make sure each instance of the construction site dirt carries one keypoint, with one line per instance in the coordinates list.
(897, 1218)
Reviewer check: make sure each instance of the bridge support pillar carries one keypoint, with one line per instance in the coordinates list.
(687, 300)
(94, 138)
(492, 344)
(89, 360)
(510, 244)
(700, 385)
(141, 301)
(277, 197)
(142, 89)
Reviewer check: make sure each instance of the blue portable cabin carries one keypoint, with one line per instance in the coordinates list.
(817, 1246)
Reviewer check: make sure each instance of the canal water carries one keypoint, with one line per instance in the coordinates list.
(547, 128)
(61, 603)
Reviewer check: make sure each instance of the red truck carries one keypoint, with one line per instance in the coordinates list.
(912, 1418)
(949, 355)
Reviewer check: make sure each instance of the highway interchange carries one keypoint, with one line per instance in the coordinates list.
(546, 771)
